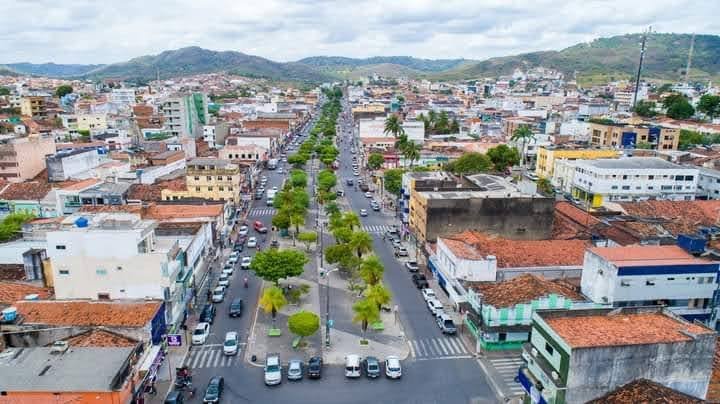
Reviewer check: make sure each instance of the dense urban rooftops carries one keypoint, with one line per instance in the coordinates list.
(524, 289)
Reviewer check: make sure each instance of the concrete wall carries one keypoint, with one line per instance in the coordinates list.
(31, 156)
(504, 217)
(683, 366)
(62, 168)
(33, 335)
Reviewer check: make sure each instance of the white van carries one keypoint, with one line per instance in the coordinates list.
(352, 366)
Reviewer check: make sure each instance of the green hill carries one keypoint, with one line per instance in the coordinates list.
(607, 58)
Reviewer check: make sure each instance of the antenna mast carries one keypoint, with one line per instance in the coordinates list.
(642, 55)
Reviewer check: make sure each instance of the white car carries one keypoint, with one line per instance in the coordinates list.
(243, 230)
(273, 370)
(363, 212)
(393, 370)
(233, 258)
(368, 194)
(434, 305)
(224, 280)
(245, 263)
(428, 294)
(275, 189)
(252, 242)
(200, 334)
(218, 294)
(356, 173)
(231, 344)
(228, 270)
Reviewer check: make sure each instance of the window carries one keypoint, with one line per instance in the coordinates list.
(679, 178)
(625, 283)
(219, 177)
(626, 187)
(625, 177)
(101, 271)
(650, 282)
(651, 177)
(64, 272)
(549, 348)
(209, 178)
(59, 247)
(229, 178)
(103, 296)
(197, 178)
(230, 188)
(502, 336)
(197, 189)
(614, 187)
(689, 178)
(210, 188)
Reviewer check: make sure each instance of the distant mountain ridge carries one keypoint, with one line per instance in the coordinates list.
(597, 61)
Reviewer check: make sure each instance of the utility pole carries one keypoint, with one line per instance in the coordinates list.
(642, 56)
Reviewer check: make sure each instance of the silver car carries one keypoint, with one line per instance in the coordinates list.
(295, 369)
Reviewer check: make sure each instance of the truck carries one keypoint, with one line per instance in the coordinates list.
(272, 164)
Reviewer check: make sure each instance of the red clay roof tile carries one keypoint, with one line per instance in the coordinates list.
(11, 292)
(88, 313)
(643, 391)
(523, 289)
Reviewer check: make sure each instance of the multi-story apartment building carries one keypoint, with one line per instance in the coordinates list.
(546, 156)
(708, 184)
(34, 107)
(651, 275)
(620, 136)
(575, 356)
(185, 115)
(206, 178)
(632, 179)
(23, 158)
(92, 121)
(123, 96)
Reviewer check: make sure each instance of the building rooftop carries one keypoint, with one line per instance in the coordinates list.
(97, 337)
(76, 370)
(106, 221)
(588, 330)
(677, 217)
(642, 255)
(25, 191)
(646, 392)
(474, 245)
(88, 313)
(81, 185)
(524, 289)
(202, 161)
(107, 188)
(713, 392)
(632, 163)
(166, 212)
(11, 292)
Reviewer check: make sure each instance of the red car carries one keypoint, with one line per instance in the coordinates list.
(259, 227)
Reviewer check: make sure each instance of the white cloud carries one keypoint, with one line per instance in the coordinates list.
(90, 31)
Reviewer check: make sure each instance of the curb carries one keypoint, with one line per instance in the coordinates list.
(252, 329)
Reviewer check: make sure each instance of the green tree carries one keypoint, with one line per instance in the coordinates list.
(643, 145)
(393, 126)
(503, 156)
(665, 88)
(63, 90)
(274, 264)
(342, 234)
(351, 220)
(442, 125)
(371, 270)
(342, 255)
(272, 301)
(375, 161)
(470, 163)
(298, 160)
(281, 220)
(307, 238)
(366, 312)
(326, 180)
(4, 91)
(378, 294)
(361, 242)
(545, 187)
(12, 224)
(454, 126)
(411, 152)
(332, 208)
(645, 109)
(393, 180)
(298, 178)
(522, 134)
(677, 106)
(709, 105)
(304, 323)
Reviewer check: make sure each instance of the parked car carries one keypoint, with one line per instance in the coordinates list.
(401, 252)
(228, 270)
(175, 397)
(363, 212)
(214, 390)
(349, 181)
(274, 243)
(340, 192)
(393, 370)
(200, 334)
(233, 257)
(252, 242)
(295, 369)
(363, 187)
(420, 281)
(447, 326)
(224, 280)
(356, 173)
(238, 247)
(368, 194)
(243, 230)
(372, 367)
(207, 315)
(375, 207)
(434, 305)
(396, 242)
(352, 366)
(259, 227)
(314, 367)
(273, 370)
(245, 262)
(236, 307)
(412, 266)
(218, 294)
(428, 294)
(231, 344)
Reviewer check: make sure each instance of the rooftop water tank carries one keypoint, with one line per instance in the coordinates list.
(81, 222)
(33, 296)
(9, 314)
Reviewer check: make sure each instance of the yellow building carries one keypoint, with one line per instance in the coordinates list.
(92, 121)
(207, 178)
(545, 167)
(368, 110)
(619, 135)
(33, 106)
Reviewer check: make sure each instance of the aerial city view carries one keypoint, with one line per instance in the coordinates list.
(312, 202)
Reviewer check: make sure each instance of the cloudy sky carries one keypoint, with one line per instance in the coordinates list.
(106, 31)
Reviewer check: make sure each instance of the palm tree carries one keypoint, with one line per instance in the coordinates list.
(272, 301)
(378, 294)
(372, 270)
(351, 220)
(361, 242)
(412, 152)
(431, 119)
(522, 134)
(366, 312)
(393, 126)
(331, 209)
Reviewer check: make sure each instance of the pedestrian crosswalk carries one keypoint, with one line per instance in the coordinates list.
(262, 212)
(438, 348)
(508, 370)
(211, 356)
(379, 229)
